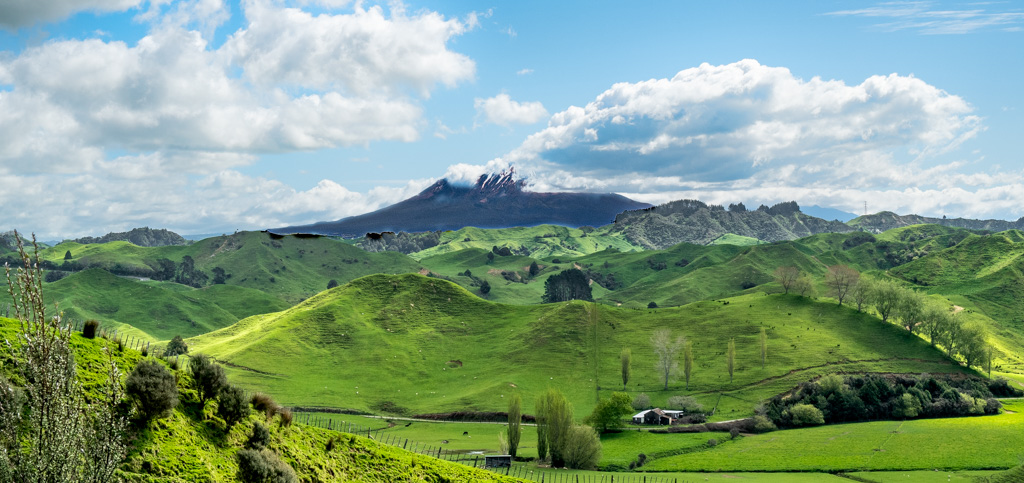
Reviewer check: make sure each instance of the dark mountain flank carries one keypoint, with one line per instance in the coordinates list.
(143, 237)
(695, 222)
(887, 220)
(495, 201)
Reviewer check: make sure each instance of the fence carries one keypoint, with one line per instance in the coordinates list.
(521, 471)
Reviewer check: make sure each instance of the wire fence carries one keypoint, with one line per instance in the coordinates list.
(476, 459)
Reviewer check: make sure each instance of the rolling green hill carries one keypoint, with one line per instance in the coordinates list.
(412, 344)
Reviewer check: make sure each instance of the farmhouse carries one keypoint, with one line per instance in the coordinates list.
(656, 416)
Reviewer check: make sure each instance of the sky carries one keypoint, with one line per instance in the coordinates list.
(210, 116)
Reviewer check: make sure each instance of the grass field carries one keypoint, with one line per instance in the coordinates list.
(974, 443)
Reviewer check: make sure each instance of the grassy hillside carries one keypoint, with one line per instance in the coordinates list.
(192, 445)
(412, 344)
(290, 268)
(542, 241)
(158, 311)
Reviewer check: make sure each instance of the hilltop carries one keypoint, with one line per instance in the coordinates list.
(887, 220)
(494, 201)
(143, 237)
(409, 344)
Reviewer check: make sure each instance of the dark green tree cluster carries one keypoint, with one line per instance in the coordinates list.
(876, 397)
(608, 413)
(188, 274)
(570, 284)
(176, 347)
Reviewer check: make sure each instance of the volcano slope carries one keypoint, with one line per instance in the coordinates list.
(407, 344)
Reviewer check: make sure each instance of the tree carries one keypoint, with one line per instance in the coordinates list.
(48, 432)
(232, 406)
(490, 257)
(886, 297)
(687, 362)
(67, 255)
(208, 376)
(910, 310)
(666, 349)
(165, 269)
(806, 415)
(515, 420)
(803, 285)
(485, 287)
(609, 412)
(332, 283)
(862, 292)
(730, 356)
(152, 389)
(934, 323)
(176, 346)
(840, 279)
(541, 414)
(558, 417)
(626, 358)
(219, 276)
(786, 276)
(764, 347)
(952, 334)
(188, 274)
(582, 447)
(534, 268)
(972, 345)
(652, 305)
(570, 284)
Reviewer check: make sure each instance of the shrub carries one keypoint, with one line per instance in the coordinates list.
(582, 448)
(331, 284)
(90, 328)
(806, 415)
(152, 389)
(232, 406)
(485, 287)
(652, 305)
(712, 442)
(685, 403)
(734, 433)
(176, 347)
(259, 438)
(264, 404)
(641, 401)
(208, 376)
(286, 417)
(260, 466)
(763, 424)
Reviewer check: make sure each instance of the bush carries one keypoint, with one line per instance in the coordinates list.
(208, 376)
(90, 328)
(232, 406)
(685, 403)
(264, 404)
(582, 448)
(176, 347)
(763, 424)
(152, 389)
(259, 438)
(652, 305)
(641, 401)
(262, 466)
(734, 433)
(806, 415)
(286, 417)
(332, 283)
(712, 442)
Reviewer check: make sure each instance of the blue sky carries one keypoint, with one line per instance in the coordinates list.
(206, 116)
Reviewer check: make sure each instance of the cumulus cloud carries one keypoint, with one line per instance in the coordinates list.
(105, 121)
(758, 134)
(502, 110)
(15, 14)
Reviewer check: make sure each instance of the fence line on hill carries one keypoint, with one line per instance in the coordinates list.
(521, 471)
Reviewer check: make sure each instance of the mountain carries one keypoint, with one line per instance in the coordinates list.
(692, 221)
(494, 201)
(887, 220)
(143, 237)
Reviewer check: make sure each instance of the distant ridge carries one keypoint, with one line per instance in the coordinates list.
(696, 222)
(494, 201)
(143, 237)
(887, 220)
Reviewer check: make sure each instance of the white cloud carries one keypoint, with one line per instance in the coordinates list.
(365, 52)
(926, 19)
(502, 110)
(524, 71)
(15, 14)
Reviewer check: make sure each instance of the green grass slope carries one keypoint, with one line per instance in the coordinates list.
(542, 241)
(191, 445)
(412, 344)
